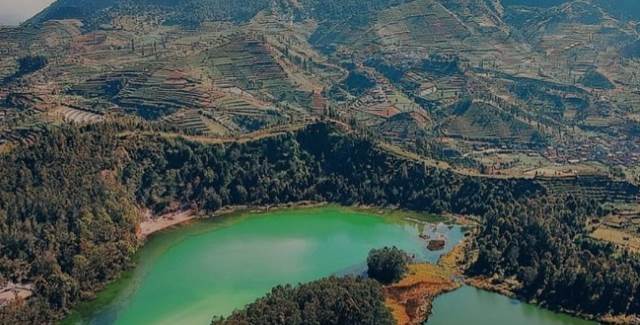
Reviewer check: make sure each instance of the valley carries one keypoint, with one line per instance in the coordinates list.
(123, 119)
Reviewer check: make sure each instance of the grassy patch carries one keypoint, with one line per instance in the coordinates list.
(403, 214)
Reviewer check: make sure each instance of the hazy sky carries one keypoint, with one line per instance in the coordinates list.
(16, 11)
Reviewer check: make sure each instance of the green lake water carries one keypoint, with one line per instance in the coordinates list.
(469, 305)
(191, 273)
(187, 275)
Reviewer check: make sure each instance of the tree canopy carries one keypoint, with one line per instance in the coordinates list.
(329, 301)
(69, 202)
(387, 265)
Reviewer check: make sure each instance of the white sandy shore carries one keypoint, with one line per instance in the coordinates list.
(13, 291)
(154, 224)
(151, 223)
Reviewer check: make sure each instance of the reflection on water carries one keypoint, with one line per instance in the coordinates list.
(468, 305)
(209, 268)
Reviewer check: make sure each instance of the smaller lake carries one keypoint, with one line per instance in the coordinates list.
(469, 305)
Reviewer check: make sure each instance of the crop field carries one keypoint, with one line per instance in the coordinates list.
(532, 112)
(247, 64)
(404, 27)
(403, 128)
(618, 237)
(486, 123)
(597, 187)
(70, 114)
(163, 90)
(21, 135)
(445, 90)
(507, 162)
(194, 121)
(621, 228)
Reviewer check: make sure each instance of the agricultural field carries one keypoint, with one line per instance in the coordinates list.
(596, 187)
(482, 121)
(621, 228)
(70, 114)
(554, 90)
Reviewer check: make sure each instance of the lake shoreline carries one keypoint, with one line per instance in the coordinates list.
(180, 218)
(154, 223)
(507, 288)
(411, 300)
(460, 258)
(389, 231)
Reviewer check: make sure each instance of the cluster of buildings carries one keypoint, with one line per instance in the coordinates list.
(614, 153)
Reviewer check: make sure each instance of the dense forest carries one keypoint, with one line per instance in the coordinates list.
(387, 265)
(544, 246)
(345, 301)
(65, 224)
(316, 164)
(594, 79)
(329, 301)
(68, 206)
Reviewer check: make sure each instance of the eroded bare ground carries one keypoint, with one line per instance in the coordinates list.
(13, 291)
(411, 299)
(152, 224)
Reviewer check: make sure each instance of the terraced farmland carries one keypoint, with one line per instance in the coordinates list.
(600, 188)
(247, 64)
(197, 122)
(483, 122)
(75, 115)
(404, 27)
(151, 94)
(403, 127)
(242, 114)
(523, 65)
(21, 135)
(162, 92)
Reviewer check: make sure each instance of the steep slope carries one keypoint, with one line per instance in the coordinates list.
(229, 67)
(194, 12)
(181, 12)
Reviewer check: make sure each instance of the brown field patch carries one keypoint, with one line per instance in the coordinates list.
(619, 237)
(410, 300)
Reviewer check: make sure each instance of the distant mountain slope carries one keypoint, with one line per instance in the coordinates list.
(621, 9)
(183, 12)
(353, 12)
(76, 9)
(548, 72)
(194, 12)
(534, 3)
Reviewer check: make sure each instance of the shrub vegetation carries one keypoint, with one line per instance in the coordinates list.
(387, 265)
(330, 301)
